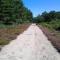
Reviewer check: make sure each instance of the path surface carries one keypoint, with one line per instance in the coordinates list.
(30, 45)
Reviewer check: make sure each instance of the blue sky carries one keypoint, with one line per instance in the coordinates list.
(39, 6)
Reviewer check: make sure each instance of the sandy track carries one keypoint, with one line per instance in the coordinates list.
(30, 45)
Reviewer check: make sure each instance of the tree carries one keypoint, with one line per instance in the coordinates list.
(14, 12)
(27, 15)
(38, 19)
(46, 16)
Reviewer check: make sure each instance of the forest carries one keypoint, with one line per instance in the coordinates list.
(49, 19)
(13, 12)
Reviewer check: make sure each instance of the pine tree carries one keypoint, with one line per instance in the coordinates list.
(13, 11)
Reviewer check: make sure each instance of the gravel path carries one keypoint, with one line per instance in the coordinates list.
(32, 44)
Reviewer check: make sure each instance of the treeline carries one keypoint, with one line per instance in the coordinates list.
(47, 17)
(14, 12)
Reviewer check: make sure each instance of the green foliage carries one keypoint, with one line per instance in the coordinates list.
(14, 12)
(4, 42)
(27, 16)
(52, 25)
(38, 19)
(49, 19)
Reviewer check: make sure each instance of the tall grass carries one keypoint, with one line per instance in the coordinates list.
(53, 25)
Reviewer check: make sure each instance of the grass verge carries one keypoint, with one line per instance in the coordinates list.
(8, 33)
(50, 31)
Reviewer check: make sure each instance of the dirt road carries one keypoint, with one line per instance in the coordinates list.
(32, 44)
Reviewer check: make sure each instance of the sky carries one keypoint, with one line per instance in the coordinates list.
(39, 6)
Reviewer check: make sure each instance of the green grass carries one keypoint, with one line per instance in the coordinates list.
(4, 42)
(7, 26)
(53, 25)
